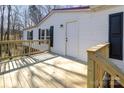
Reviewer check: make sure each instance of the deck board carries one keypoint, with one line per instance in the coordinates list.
(44, 71)
(23, 81)
(15, 79)
(1, 81)
(7, 77)
(11, 65)
(7, 81)
(32, 79)
(14, 64)
(2, 67)
(47, 78)
(42, 77)
(21, 77)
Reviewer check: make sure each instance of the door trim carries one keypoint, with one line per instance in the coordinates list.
(77, 37)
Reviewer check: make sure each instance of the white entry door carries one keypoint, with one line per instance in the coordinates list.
(72, 39)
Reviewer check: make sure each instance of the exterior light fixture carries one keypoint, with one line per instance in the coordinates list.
(61, 25)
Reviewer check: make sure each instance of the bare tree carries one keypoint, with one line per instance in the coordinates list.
(2, 20)
(47, 8)
(14, 22)
(8, 24)
(37, 12)
(25, 16)
(34, 14)
(2, 9)
(8, 28)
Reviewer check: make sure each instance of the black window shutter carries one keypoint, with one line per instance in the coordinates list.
(28, 35)
(47, 32)
(116, 35)
(31, 35)
(51, 35)
(39, 33)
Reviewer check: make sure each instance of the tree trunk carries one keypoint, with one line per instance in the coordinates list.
(8, 25)
(2, 21)
(8, 29)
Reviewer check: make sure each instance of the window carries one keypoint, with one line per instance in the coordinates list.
(44, 34)
(30, 35)
(41, 34)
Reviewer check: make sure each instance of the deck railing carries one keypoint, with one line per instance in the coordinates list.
(15, 48)
(101, 71)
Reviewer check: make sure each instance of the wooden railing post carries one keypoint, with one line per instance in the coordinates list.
(91, 71)
(29, 48)
(107, 51)
(0, 50)
(49, 49)
(94, 67)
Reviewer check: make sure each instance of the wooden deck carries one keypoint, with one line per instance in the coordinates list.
(43, 71)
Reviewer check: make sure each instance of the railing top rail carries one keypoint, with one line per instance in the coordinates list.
(7, 41)
(16, 48)
(97, 47)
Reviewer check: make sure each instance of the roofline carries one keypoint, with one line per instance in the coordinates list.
(96, 8)
(74, 9)
(30, 27)
(57, 10)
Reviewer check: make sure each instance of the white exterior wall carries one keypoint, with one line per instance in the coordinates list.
(24, 35)
(35, 34)
(93, 29)
(89, 34)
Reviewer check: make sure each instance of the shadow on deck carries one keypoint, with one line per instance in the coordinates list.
(43, 70)
(22, 62)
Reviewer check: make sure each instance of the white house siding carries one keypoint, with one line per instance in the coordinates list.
(93, 29)
(24, 35)
(89, 34)
(59, 33)
(35, 34)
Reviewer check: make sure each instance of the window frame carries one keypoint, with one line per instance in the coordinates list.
(30, 35)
